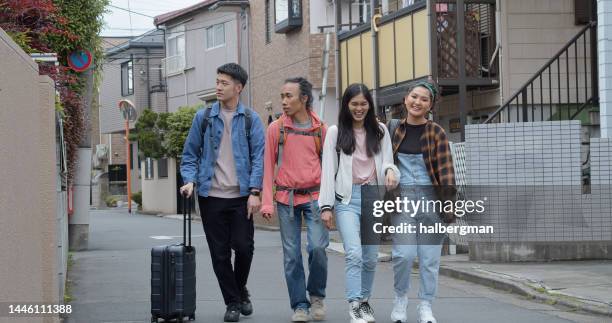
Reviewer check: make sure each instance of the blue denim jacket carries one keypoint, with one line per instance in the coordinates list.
(200, 154)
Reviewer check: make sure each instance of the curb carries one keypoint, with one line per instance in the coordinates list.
(518, 288)
(526, 290)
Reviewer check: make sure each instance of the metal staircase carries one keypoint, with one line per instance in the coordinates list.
(565, 88)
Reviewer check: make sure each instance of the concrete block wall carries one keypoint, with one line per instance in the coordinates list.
(539, 207)
(600, 199)
(536, 153)
(531, 176)
(601, 161)
(604, 44)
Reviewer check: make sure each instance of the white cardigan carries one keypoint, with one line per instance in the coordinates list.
(342, 186)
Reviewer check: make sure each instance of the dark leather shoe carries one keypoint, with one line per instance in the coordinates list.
(232, 314)
(246, 307)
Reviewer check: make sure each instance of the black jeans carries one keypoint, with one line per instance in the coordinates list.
(226, 227)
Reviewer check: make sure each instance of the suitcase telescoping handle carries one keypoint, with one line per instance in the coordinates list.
(187, 217)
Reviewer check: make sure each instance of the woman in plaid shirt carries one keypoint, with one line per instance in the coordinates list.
(422, 153)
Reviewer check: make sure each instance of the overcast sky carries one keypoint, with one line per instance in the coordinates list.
(117, 21)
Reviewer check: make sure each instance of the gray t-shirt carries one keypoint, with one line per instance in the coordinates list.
(305, 125)
(225, 181)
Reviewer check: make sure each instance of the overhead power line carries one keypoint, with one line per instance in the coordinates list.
(131, 11)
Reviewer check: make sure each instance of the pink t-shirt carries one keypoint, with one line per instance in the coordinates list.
(364, 168)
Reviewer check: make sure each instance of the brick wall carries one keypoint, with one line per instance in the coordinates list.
(287, 55)
(315, 73)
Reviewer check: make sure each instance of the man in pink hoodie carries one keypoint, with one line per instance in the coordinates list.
(292, 164)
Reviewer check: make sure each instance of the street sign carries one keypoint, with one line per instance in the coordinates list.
(79, 60)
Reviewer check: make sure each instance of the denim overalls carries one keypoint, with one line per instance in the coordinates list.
(416, 185)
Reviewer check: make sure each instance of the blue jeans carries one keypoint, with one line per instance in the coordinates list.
(318, 240)
(407, 246)
(415, 184)
(360, 260)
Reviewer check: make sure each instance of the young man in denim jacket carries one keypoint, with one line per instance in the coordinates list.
(226, 163)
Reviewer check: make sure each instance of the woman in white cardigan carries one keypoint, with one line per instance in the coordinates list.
(363, 147)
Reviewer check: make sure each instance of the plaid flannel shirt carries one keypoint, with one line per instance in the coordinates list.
(438, 159)
(435, 149)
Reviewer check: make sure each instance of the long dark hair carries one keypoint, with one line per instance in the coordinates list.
(346, 135)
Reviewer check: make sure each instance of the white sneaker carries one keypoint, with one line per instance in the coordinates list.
(355, 312)
(425, 314)
(399, 309)
(317, 308)
(300, 315)
(367, 313)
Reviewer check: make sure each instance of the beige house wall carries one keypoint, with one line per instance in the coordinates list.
(159, 194)
(28, 227)
(532, 33)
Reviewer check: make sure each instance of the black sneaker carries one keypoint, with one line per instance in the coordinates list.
(246, 307)
(232, 314)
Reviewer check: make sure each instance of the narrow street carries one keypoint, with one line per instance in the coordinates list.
(110, 281)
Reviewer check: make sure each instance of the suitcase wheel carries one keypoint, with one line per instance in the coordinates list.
(153, 319)
(192, 317)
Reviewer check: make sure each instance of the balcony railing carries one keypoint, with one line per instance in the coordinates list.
(478, 36)
(424, 40)
(400, 59)
(173, 65)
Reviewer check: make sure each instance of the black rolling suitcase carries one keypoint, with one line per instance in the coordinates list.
(173, 280)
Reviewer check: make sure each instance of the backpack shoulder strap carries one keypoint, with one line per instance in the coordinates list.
(318, 138)
(393, 123)
(206, 120)
(282, 136)
(248, 123)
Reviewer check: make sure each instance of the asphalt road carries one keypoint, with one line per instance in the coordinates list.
(111, 281)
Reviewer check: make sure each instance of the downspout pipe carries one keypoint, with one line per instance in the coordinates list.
(148, 80)
(498, 36)
(374, 57)
(337, 10)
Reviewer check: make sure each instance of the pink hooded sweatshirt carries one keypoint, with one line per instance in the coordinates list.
(300, 168)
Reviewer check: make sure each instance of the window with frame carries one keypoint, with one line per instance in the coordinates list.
(149, 168)
(162, 167)
(127, 78)
(175, 50)
(176, 41)
(215, 36)
(287, 15)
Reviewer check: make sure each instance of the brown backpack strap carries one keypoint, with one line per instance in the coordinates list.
(318, 139)
(282, 137)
